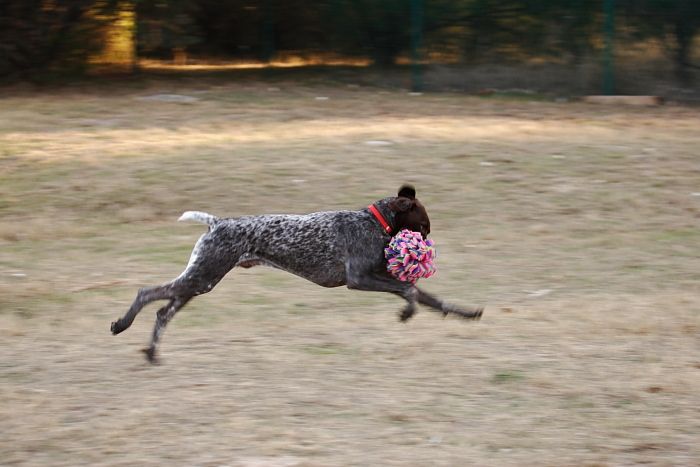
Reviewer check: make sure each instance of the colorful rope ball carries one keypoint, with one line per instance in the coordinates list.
(409, 257)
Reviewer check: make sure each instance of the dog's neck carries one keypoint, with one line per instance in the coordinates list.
(387, 213)
(380, 218)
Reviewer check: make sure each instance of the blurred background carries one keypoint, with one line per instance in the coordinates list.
(565, 46)
(573, 221)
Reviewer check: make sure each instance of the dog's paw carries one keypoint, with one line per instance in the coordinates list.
(474, 314)
(116, 327)
(150, 353)
(407, 313)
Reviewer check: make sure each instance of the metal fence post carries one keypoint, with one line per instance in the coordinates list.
(609, 50)
(416, 44)
(268, 40)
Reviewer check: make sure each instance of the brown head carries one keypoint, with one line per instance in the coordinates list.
(409, 213)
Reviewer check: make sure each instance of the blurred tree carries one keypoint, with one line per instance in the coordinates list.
(49, 35)
(257, 29)
(518, 29)
(118, 41)
(165, 28)
(384, 28)
(674, 22)
(40, 35)
(574, 25)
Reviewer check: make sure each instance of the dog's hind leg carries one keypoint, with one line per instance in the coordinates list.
(144, 296)
(163, 316)
(189, 283)
(199, 278)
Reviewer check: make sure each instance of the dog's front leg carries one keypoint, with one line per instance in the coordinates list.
(471, 312)
(361, 276)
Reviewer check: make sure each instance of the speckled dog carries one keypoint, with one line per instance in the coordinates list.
(328, 248)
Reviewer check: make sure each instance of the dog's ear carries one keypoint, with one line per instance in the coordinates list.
(401, 204)
(407, 191)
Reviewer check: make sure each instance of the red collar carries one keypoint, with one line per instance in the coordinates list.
(378, 215)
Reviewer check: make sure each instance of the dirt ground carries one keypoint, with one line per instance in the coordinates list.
(575, 225)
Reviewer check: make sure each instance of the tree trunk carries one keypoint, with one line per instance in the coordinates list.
(681, 55)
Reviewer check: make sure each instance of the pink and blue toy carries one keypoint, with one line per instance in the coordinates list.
(409, 257)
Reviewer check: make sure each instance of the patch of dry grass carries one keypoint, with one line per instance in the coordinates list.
(576, 226)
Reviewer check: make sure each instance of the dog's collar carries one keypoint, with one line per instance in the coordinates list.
(378, 215)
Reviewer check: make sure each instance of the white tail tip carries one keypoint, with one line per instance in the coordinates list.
(198, 216)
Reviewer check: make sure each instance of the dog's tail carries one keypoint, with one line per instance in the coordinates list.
(199, 216)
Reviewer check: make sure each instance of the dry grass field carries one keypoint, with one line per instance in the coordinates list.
(575, 225)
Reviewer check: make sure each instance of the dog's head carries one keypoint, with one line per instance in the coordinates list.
(409, 213)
